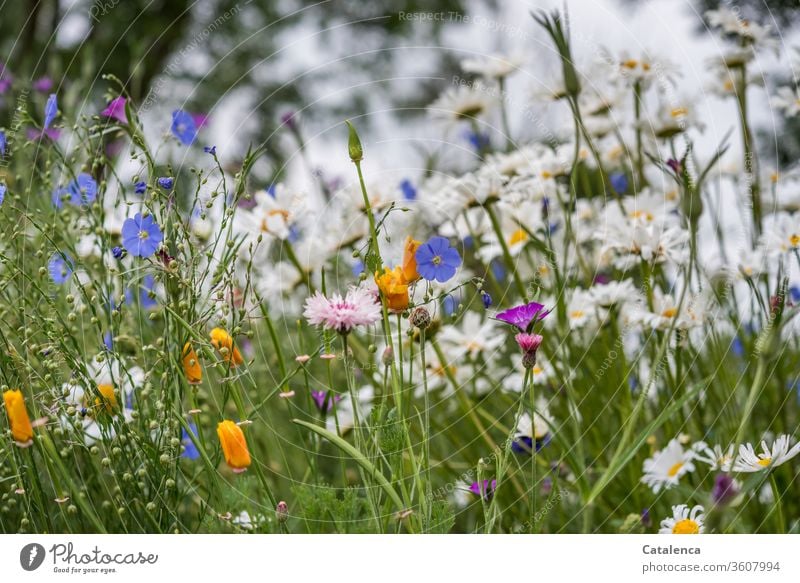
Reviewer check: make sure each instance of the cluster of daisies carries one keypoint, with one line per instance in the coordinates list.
(457, 280)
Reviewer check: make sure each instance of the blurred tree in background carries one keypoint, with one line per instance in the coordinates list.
(195, 55)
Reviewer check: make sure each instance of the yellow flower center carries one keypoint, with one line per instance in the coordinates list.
(546, 174)
(794, 240)
(678, 111)
(672, 472)
(272, 213)
(765, 462)
(669, 312)
(642, 214)
(518, 236)
(630, 64)
(576, 314)
(686, 526)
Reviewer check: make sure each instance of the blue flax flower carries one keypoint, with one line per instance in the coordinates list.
(183, 127)
(60, 267)
(50, 110)
(437, 260)
(141, 236)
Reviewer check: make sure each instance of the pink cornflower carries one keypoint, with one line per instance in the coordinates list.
(359, 307)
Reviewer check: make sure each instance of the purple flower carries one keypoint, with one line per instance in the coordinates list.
(116, 109)
(43, 84)
(52, 133)
(437, 260)
(141, 236)
(724, 490)
(524, 316)
(486, 299)
(3, 143)
(646, 520)
(323, 402)
(118, 252)
(60, 267)
(140, 187)
(50, 110)
(183, 127)
(5, 78)
(200, 120)
(210, 150)
(166, 182)
(2, 193)
(288, 119)
(486, 489)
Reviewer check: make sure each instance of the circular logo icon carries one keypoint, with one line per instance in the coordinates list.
(31, 556)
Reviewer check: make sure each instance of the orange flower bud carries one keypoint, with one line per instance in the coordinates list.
(191, 365)
(221, 339)
(394, 288)
(18, 419)
(234, 445)
(409, 260)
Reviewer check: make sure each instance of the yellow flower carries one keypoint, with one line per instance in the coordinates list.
(394, 288)
(220, 339)
(109, 398)
(191, 365)
(234, 445)
(18, 419)
(410, 273)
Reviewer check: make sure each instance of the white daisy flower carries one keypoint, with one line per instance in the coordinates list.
(493, 66)
(473, 335)
(787, 100)
(684, 521)
(464, 102)
(272, 216)
(781, 234)
(665, 468)
(344, 410)
(770, 457)
(716, 457)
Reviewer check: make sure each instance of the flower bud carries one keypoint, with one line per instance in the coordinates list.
(282, 512)
(234, 445)
(354, 144)
(388, 356)
(420, 318)
(18, 420)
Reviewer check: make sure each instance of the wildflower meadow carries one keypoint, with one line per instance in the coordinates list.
(587, 326)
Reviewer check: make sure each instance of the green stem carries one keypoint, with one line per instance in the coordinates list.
(506, 252)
